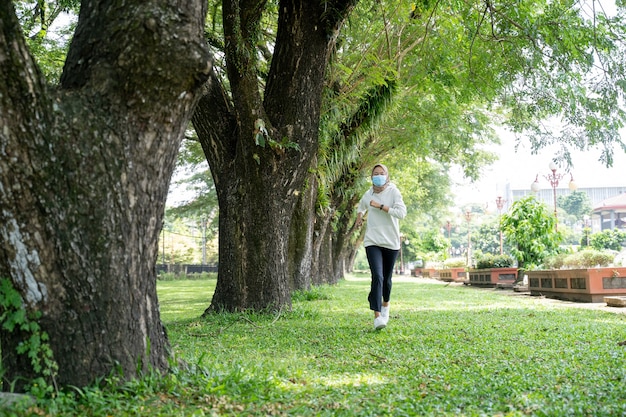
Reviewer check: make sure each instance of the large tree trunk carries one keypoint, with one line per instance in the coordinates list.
(302, 236)
(329, 262)
(345, 236)
(259, 176)
(319, 269)
(84, 174)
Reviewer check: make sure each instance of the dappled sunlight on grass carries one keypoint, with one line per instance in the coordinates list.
(449, 350)
(347, 380)
(182, 299)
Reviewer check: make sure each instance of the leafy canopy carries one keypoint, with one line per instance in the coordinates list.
(576, 204)
(529, 228)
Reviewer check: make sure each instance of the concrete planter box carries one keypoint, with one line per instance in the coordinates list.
(587, 285)
(417, 272)
(452, 274)
(425, 272)
(493, 277)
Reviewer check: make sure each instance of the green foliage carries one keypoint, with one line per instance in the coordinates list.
(454, 263)
(201, 210)
(587, 258)
(608, 239)
(181, 238)
(529, 227)
(313, 294)
(569, 235)
(585, 239)
(261, 137)
(555, 261)
(428, 245)
(488, 260)
(425, 188)
(194, 176)
(448, 351)
(487, 239)
(360, 260)
(49, 47)
(14, 317)
(283, 145)
(576, 204)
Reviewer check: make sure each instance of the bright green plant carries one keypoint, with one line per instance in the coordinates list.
(585, 239)
(576, 203)
(14, 317)
(315, 293)
(433, 241)
(454, 263)
(587, 258)
(487, 239)
(428, 245)
(529, 227)
(494, 261)
(554, 261)
(360, 260)
(608, 239)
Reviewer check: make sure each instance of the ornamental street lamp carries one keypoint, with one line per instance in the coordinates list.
(406, 244)
(401, 260)
(403, 242)
(553, 179)
(500, 203)
(468, 218)
(448, 228)
(204, 225)
(587, 229)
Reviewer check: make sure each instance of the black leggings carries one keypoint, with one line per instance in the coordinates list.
(381, 262)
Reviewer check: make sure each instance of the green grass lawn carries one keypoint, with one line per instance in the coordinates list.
(448, 350)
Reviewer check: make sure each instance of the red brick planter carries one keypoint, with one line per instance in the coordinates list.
(588, 285)
(425, 272)
(492, 277)
(452, 274)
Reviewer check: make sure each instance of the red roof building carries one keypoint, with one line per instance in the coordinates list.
(611, 213)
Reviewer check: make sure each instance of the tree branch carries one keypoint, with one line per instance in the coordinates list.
(241, 29)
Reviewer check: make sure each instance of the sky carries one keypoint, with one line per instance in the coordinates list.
(519, 168)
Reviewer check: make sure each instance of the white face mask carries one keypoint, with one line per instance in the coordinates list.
(379, 180)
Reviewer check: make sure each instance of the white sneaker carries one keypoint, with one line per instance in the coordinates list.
(384, 311)
(380, 323)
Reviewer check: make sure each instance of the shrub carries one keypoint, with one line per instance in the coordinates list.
(167, 276)
(587, 258)
(488, 260)
(313, 294)
(555, 261)
(529, 228)
(608, 239)
(454, 263)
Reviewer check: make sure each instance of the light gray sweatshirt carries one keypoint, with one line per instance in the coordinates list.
(383, 228)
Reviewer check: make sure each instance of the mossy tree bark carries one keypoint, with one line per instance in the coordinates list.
(84, 173)
(260, 176)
